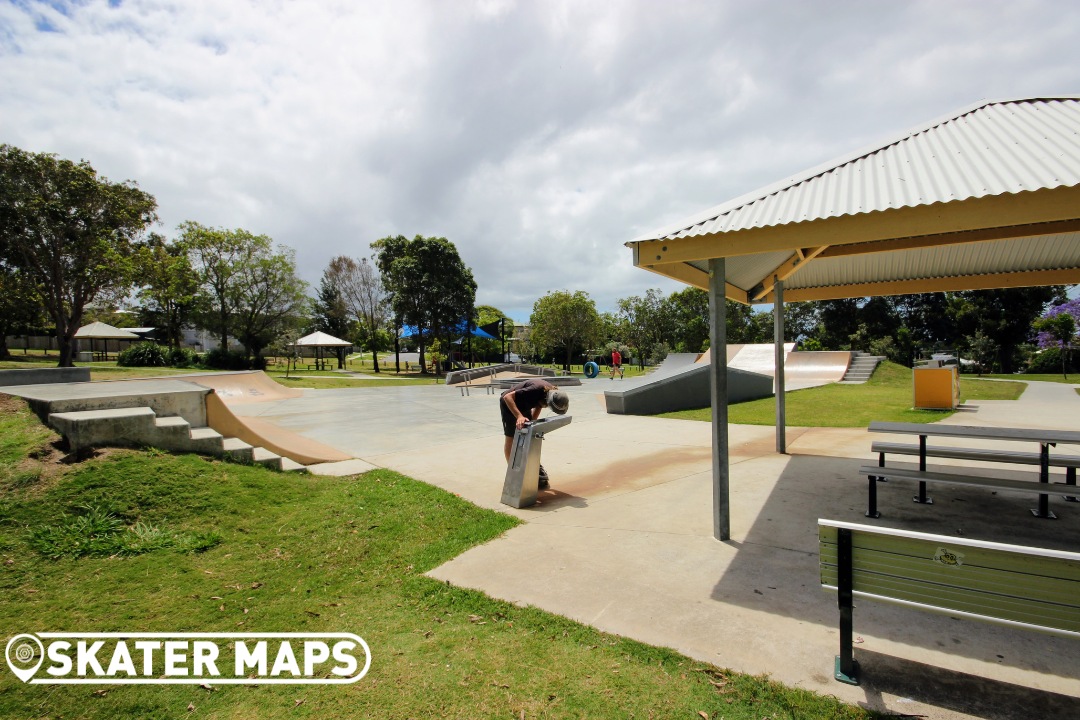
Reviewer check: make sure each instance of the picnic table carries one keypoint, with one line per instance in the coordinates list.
(1043, 458)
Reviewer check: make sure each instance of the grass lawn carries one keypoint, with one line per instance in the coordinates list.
(886, 396)
(288, 553)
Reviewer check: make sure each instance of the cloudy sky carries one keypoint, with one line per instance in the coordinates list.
(538, 136)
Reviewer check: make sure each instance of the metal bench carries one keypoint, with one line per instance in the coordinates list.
(1038, 484)
(1025, 587)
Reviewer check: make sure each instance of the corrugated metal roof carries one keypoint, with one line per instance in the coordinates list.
(995, 256)
(990, 148)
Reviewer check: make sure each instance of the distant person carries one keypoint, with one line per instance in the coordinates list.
(616, 364)
(522, 405)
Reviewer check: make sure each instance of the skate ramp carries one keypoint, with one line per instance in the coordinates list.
(682, 385)
(244, 386)
(802, 369)
(260, 433)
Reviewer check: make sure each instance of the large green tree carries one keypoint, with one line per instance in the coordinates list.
(71, 231)
(565, 321)
(217, 256)
(250, 289)
(429, 285)
(170, 288)
(267, 298)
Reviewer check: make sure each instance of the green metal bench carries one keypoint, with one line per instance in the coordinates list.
(1026, 587)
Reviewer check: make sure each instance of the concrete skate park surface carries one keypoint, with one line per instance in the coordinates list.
(624, 541)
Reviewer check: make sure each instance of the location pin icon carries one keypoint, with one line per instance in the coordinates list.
(21, 653)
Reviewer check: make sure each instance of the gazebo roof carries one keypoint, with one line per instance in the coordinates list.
(986, 197)
(103, 331)
(321, 339)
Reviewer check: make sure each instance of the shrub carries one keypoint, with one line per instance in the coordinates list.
(144, 354)
(1048, 362)
(183, 357)
(219, 359)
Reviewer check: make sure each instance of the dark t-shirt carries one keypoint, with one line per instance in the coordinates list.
(527, 396)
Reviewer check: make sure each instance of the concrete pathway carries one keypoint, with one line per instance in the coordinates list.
(624, 540)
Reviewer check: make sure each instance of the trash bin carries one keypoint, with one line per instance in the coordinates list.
(523, 473)
(935, 388)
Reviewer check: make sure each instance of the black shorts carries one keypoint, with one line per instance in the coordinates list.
(508, 420)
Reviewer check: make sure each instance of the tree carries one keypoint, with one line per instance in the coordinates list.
(1005, 315)
(1061, 327)
(267, 296)
(217, 255)
(689, 310)
(170, 287)
(363, 296)
(983, 349)
(643, 320)
(564, 321)
(71, 231)
(20, 304)
(428, 284)
(331, 312)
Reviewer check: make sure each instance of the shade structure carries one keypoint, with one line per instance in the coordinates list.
(321, 339)
(459, 329)
(985, 197)
(103, 331)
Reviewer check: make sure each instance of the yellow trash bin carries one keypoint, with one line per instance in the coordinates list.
(936, 388)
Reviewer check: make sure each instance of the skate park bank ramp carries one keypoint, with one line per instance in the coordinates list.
(801, 369)
(681, 382)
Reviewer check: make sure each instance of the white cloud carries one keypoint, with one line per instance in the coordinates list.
(538, 136)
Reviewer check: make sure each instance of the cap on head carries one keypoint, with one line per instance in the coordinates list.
(558, 402)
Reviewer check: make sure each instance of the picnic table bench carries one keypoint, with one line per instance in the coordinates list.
(1037, 484)
(1024, 587)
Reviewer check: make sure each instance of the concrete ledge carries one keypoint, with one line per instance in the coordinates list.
(685, 390)
(43, 376)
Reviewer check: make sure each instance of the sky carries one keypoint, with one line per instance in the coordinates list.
(538, 136)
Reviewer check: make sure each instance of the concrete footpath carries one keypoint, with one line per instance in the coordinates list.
(624, 540)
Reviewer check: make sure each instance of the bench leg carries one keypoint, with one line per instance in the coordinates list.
(871, 506)
(1070, 479)
(845, 668)
(922, 497)
(1043, 511)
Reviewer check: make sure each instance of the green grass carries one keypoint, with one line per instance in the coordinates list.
(306, 554)
(887, 396)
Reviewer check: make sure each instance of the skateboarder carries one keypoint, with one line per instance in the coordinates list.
(523, 405)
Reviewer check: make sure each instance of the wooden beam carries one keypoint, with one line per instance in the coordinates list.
(785, 270)
(1031, 278)
(914, 243)
(698, 278)
(1011, 210)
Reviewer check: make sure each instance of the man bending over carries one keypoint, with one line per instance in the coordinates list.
(523, 405)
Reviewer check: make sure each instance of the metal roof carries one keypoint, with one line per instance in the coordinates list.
(962, 184)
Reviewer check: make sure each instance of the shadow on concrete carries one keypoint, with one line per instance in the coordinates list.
(776, 571)
(960, 692)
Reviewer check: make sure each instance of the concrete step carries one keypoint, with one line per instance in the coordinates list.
(237, 449)
(140, 427)
(267, 459)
